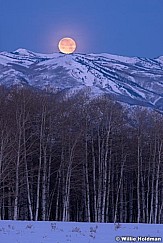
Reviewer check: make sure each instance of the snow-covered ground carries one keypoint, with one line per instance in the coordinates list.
(72, 232)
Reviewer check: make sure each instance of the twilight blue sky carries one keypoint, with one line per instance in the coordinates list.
(121, 27)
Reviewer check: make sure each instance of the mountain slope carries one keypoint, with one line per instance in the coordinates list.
(134, 80)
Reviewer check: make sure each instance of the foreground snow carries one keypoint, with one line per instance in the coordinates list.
(61, 232)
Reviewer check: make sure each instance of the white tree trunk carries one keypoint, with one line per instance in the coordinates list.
(138, 181)
(152, 186)
(44, 186)
(157, 182)
(17, 179)
(40, 164)
(94, 182)
(87, 181)
(119, 187)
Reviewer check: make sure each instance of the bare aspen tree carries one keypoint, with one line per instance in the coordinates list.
(18, 151)
(138, 180)
(160, 146)
(66, 212)
(27, 176)
(1, 174)
(41, 134)
(119, 186)
(94, 180)
(152, 183)
(86, 175)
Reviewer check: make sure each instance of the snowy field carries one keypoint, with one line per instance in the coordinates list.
(61, 232)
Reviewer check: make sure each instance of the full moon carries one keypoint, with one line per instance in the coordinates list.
(67, 45)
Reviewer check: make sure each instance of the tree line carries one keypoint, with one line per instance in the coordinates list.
(74, 158)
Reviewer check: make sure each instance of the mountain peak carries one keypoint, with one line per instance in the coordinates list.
(23, 52)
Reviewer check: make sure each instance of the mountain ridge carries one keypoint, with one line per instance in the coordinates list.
(132, 80)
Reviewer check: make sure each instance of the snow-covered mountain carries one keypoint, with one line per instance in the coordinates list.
(137, 81)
